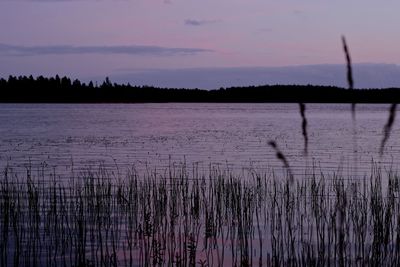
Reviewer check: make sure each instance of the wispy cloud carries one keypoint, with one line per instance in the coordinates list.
(300, 14)
(194, 22)
(265, 30)
(16, 50)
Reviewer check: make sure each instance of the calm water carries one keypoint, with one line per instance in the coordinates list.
(95, 222)
(234, 135)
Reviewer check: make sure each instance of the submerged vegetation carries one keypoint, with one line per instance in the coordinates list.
(188, 217)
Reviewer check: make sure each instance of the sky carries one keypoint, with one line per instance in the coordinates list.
(179, 42)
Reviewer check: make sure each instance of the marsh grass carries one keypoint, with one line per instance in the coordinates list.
(280, 156)
(302, 107)
(188, 217)
(350, 80)
(388, 127)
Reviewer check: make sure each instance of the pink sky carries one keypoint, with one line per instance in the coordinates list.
(79, 38)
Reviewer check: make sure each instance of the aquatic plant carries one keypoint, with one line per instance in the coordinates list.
(304, 126)
(350, 80)
(388, 126)
(280, 156)
(189, 217)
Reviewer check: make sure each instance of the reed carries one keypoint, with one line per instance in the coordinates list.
(280, 156)
(304, 126)
(191, 217)
(388, 127)
(350, 80)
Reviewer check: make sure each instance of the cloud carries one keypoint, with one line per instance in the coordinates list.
(194, 22)
(16, 50)
(300, 14)
(263, 31)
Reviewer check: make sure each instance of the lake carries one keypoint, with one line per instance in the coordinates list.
(235, 136)
(214, 214)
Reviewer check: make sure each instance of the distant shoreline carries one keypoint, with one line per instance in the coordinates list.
(25, 89)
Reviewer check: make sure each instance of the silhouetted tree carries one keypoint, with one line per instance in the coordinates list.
(65, 82)
(76, 83)
(56, 89)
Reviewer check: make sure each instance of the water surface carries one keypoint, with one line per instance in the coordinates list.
(233, 135)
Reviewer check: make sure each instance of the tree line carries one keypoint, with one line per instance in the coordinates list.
(27, 89)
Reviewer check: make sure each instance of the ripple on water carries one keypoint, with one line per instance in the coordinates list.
(234, 135)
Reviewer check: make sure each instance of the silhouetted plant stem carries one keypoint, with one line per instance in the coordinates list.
(178, 219)
(388, 127)
(281, 157)
(350, 80)
(304, 126)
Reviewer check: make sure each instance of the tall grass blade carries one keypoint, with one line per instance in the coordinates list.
(388, 127)
(282, 158)
(304, 126)
(350, 80)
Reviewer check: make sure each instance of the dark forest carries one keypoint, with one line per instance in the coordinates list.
(57, 89)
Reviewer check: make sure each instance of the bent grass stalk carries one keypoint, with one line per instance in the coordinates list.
(304, 126)
(388, 127)
(280, 156)
(350, 80)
